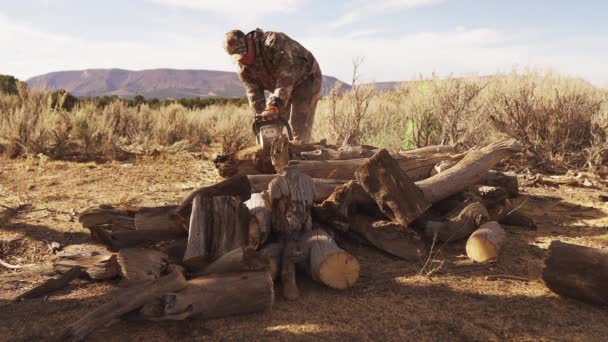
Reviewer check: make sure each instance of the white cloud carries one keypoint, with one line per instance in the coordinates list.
(255, 8)
(358, 9)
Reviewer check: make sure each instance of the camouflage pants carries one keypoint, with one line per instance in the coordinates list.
(304, 104)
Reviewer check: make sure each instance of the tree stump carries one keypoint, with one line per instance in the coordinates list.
(394, 192)
(578, 272)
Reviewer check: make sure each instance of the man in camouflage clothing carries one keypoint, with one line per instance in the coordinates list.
(274, 62)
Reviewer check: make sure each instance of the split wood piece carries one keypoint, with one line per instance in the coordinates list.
(95, 262)
(220, 296)
(52, 284)
(395, 193)
(323, 187)
(489, 196)
(259, 225)
(141, 264)
(291, 197)
(237, 260)
(122, 302)
(237, 186)
(116, 240)
(485, 243)
(506, 180)
(326, 262)
(107, 215)
(389, 237)
(459, 226)
(519, 219)
(578, 272)
(158, 218)
(279, 153)
(217, 226)
(416, 167)
(470, 170)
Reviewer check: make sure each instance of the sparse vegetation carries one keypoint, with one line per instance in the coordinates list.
(563, 122)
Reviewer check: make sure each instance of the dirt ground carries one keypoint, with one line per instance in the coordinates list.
(391, 301)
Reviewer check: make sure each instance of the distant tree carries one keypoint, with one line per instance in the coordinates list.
(63, 99)
(8, 84)
(138, 100)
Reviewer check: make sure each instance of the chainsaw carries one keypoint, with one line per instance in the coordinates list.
(268, 126)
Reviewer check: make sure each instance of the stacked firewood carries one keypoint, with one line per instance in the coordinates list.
(281, 211)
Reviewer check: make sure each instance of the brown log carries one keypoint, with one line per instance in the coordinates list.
(470, 170)
(343, 153)
(94, 261)
(116, 240)
(326, 262)
(394, 192)
(390, 237)
(459, 226)
(272, 252)
(485, 243)
(506, 180)
(250, 161)
(158, 218)
(217, 225)
(259, 224)
(237, 186)
(433, 149)
(123, 301)
(578, 272)
(416, 167)
(220, 295)
(141, 264)
(52, 284)
(242, 259)
(489, 196)
(291, 197)
(519, 219)
(107, 215)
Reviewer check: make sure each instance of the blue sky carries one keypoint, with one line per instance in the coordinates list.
(399, 39)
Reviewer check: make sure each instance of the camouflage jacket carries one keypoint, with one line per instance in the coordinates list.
(280, 65)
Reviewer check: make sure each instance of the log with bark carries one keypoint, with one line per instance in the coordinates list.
(485, 243)
(291, 197)
(395, 193)
(217, 225)
(578, 272)
(327, 263)
(95, 262)
(459, 226)
(122, 302)
(390, 237)
(215, 296)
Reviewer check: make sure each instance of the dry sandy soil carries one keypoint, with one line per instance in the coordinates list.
(391, 301)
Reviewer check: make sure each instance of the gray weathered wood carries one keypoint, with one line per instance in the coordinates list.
(96, 262)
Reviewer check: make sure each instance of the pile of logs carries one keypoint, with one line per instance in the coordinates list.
(281, 211)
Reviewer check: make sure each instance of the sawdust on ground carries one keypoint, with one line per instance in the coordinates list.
(391, 301)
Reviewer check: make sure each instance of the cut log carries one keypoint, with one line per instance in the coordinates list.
(141, 264)
(326, 262)
(416, 167)
(470, 170)
(220, 296)
(217, 226)
(107, 215)
(578, 272)
(507, 181)
(52, 284)
(123, 301)
(95, 262)
(389, 237)
(396, 195)
(259, 225)
(459, 226)
(158, 218)
(291, 197)
(485, 243)
(237, 260)
(279, 153)
(116, 240)
(237, 186)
